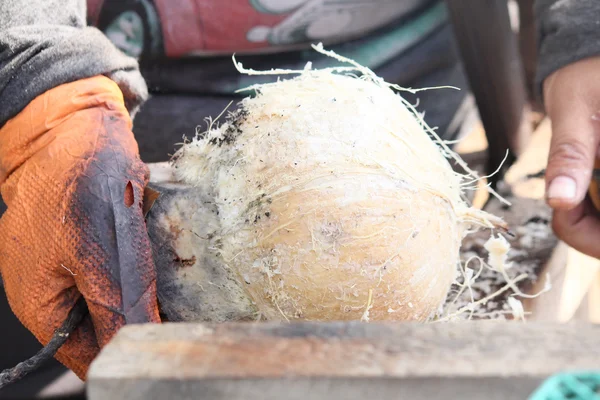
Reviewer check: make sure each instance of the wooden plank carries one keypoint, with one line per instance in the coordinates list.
(524, 176)
(351, 360)
(594, 301)
(589, 309)
(545, 308)
(579, 278)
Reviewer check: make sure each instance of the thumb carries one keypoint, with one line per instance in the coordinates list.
(573, 148)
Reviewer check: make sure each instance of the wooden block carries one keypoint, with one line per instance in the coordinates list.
(579, 278)
(318, 361)
(589, 309)
(545, 307)
(533, 161)
(594, 301)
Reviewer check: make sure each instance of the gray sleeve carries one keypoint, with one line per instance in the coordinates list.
(45, 43)
(568, 31)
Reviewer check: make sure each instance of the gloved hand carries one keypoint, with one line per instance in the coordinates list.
(73, 182)
(572, 99)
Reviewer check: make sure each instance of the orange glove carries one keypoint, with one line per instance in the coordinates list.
(73, 182)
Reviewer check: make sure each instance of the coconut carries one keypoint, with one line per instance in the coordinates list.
(335, 200)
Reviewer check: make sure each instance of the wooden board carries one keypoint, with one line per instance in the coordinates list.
(252, 361)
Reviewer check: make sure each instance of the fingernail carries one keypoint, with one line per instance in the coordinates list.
(562, 187)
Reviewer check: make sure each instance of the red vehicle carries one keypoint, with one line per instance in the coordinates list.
(195, 27)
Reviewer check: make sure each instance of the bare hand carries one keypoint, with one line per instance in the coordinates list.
(572, 99)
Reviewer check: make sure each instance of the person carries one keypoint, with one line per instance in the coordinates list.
(568, 80)
(71, 169)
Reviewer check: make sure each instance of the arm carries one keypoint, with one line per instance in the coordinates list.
(568, 79)
(44, 44)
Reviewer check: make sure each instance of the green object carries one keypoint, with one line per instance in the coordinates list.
(583, 385)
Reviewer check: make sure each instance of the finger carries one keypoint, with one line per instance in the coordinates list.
(573, 148)
(579, 228)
